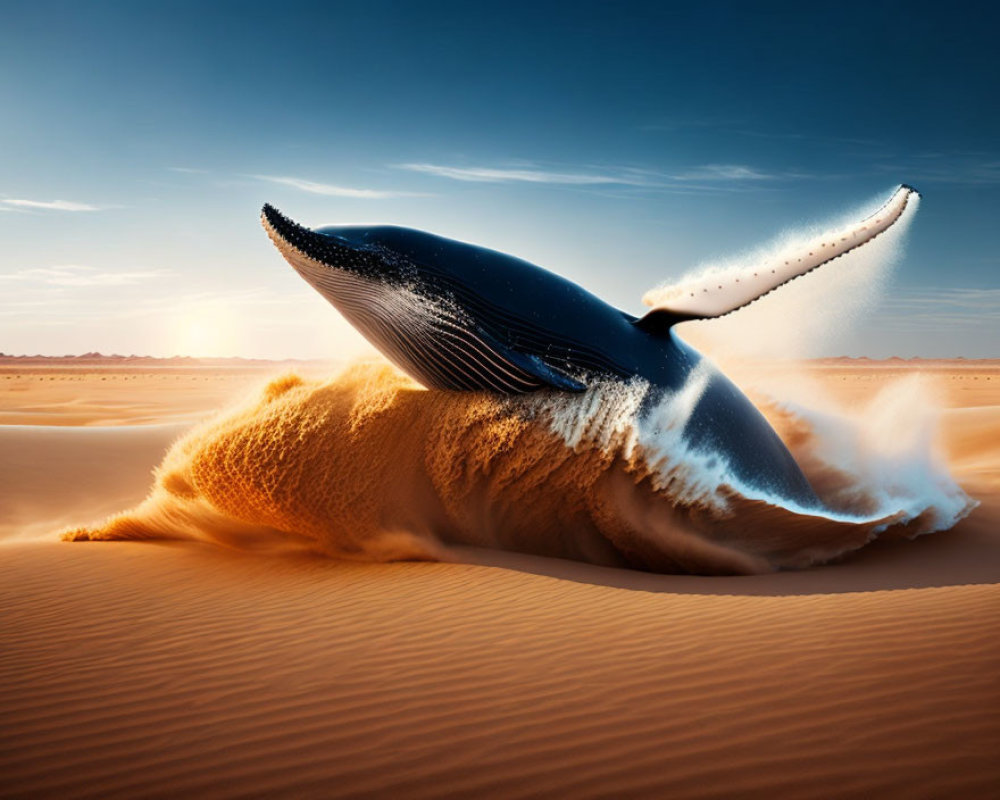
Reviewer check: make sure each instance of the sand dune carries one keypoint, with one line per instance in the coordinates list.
(125, 391)
(56, 476)
(162, 669)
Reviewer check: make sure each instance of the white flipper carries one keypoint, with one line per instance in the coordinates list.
(713, 295)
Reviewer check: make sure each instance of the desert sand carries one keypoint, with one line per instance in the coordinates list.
(160, 669)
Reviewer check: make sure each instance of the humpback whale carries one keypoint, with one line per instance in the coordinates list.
(459, 317)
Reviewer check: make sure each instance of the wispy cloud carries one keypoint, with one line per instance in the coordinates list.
(332, 190)
(49, 205)
(76, 275)
(960, 168)
(189, 170)
(851, 141)
(701, 178)
(528, 175)
(723, 172)
(940, 308)
(64, 308)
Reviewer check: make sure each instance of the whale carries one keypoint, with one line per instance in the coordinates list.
(458, 317)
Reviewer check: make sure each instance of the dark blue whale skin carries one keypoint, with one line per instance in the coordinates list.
(556, 331)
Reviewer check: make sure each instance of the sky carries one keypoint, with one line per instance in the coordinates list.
(620, 145)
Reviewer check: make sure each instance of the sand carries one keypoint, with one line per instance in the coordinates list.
(155, 669)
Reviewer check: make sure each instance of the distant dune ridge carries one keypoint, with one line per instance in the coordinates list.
(369, 466)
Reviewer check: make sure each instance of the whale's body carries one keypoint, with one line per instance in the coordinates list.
(465, 318)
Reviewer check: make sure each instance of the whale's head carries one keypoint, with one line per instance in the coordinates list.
(393, 285)
(326, 255)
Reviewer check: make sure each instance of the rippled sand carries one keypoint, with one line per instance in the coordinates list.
(159, 669)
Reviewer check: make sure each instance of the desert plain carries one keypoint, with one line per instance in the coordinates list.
(160, 669)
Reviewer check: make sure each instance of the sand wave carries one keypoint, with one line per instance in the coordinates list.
(369, 466)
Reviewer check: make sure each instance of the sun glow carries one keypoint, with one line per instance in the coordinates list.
(204, 329)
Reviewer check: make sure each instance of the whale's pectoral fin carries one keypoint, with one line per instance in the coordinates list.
(716, 294)
(536, 370)
(546, 373)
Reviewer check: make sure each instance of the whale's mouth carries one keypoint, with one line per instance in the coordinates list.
(343, 274)
(346, 275)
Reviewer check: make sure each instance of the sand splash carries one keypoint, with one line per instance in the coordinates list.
(370, 466)
(812, 315)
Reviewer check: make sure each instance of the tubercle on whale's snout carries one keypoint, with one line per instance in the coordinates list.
(276, 223)
(285, 233)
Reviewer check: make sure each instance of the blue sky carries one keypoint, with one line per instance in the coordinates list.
(618, 144)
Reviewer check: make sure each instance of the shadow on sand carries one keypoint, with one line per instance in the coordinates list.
(967, 554)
